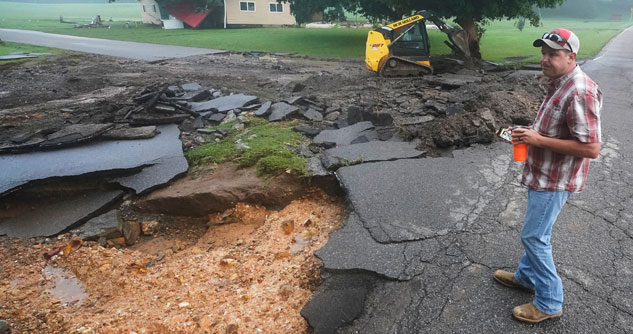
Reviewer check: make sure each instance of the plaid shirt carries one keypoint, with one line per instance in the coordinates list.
(571, 110)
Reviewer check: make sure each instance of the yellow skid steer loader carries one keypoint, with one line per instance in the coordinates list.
(402, 48)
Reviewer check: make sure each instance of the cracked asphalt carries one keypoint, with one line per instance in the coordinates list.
(424, 236)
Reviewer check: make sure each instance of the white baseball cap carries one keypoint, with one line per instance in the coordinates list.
(559, 39)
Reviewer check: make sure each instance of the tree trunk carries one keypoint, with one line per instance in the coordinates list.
(469, 26)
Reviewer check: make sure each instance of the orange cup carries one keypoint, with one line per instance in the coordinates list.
(519, 152)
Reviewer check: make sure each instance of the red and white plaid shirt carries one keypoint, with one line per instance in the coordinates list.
(571, 110)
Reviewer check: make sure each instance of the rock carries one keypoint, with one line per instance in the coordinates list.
(312, 115)
(149, 227)
(295, 99)
(281, 111)
(307, 131)
(230, 117)
(264, 110)
(76, 133)
(216, 118)
(191, 87)
(346, 135)
(241, 146)
(106, 225)
(243, 119)
(131, 232)
(222, 104)
(238, 126)
(315, 167)
(4, 327)
(198, 123)
(333, 116)
(454, 109)
(298, 87)
(206, 131)
(127, 132)
(451, 81)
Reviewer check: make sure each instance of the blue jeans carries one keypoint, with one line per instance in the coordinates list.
(536, 268)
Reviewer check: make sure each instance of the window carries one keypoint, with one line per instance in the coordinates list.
(154, 8)
(247, 6)
(276, 7)
(144, 9)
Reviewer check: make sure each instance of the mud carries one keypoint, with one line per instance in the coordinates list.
(252, 274)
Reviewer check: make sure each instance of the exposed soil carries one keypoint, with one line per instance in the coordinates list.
(248, 270)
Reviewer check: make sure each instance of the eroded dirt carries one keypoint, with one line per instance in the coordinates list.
(247, 270)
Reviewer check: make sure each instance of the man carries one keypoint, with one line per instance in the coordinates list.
(563, 138)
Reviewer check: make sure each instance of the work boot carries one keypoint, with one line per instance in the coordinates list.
(507, 278)
(529, 313)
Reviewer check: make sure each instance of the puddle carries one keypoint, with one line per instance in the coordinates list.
(67, 288)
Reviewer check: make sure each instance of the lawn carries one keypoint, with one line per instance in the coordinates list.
(501, 39)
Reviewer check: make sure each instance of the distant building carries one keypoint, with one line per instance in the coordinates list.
(238, 14)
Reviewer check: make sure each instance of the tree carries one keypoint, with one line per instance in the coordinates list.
(471, 15)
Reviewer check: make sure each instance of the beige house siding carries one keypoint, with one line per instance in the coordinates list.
(150, 12)
(262, 14)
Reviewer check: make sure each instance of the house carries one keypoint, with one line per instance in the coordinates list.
(234, 13)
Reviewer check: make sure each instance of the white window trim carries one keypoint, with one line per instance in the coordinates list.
(248, 11)
(276, 3)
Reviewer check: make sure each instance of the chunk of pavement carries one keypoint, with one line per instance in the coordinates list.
(76, 133)
(163, 152)
(353, 248)
(312, 115)
(216, 118)
(294, 100)
(106, 225)
(223, 104)
(167, 161)
(338, 301)
(315, 167)
(369, 152)
(264, 110)
(127, 132)
(30, 145)
(360, 140)
(197, 96)
(451, 81)
(198, 123)
(307, 131)
(448, 192)
(131, 231)
(280, 111)
(58, 214)
(346, 135)
(355, 114)
(230, 117)
(191, 87)
(174, 91)
(153, 119)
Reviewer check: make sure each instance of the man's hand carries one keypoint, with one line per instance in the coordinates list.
(563, 146)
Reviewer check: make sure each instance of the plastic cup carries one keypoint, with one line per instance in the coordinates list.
(519, 152)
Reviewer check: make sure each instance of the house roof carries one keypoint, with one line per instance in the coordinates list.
(186, 12)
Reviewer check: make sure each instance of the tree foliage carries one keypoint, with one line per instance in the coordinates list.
(471, 15)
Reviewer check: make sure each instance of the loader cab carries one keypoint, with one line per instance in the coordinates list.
(414, 43)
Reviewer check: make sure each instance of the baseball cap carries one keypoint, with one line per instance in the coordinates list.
(559, 39)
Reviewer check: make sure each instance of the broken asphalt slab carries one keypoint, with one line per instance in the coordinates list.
(346, 135)
(163, 151)
(107, 225)
(280, 111)
(222, 104)
(59, 214)
(448, 192)
(368, 152)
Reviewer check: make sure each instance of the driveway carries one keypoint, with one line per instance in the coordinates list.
(424, 236)
(132, 50)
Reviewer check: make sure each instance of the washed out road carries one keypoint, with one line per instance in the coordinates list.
(424, 236)
(132, 50)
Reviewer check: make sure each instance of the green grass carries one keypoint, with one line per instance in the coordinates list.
(10, 47)
(269, 148)
(501, 39)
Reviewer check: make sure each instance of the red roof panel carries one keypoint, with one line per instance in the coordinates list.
(186, 12)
